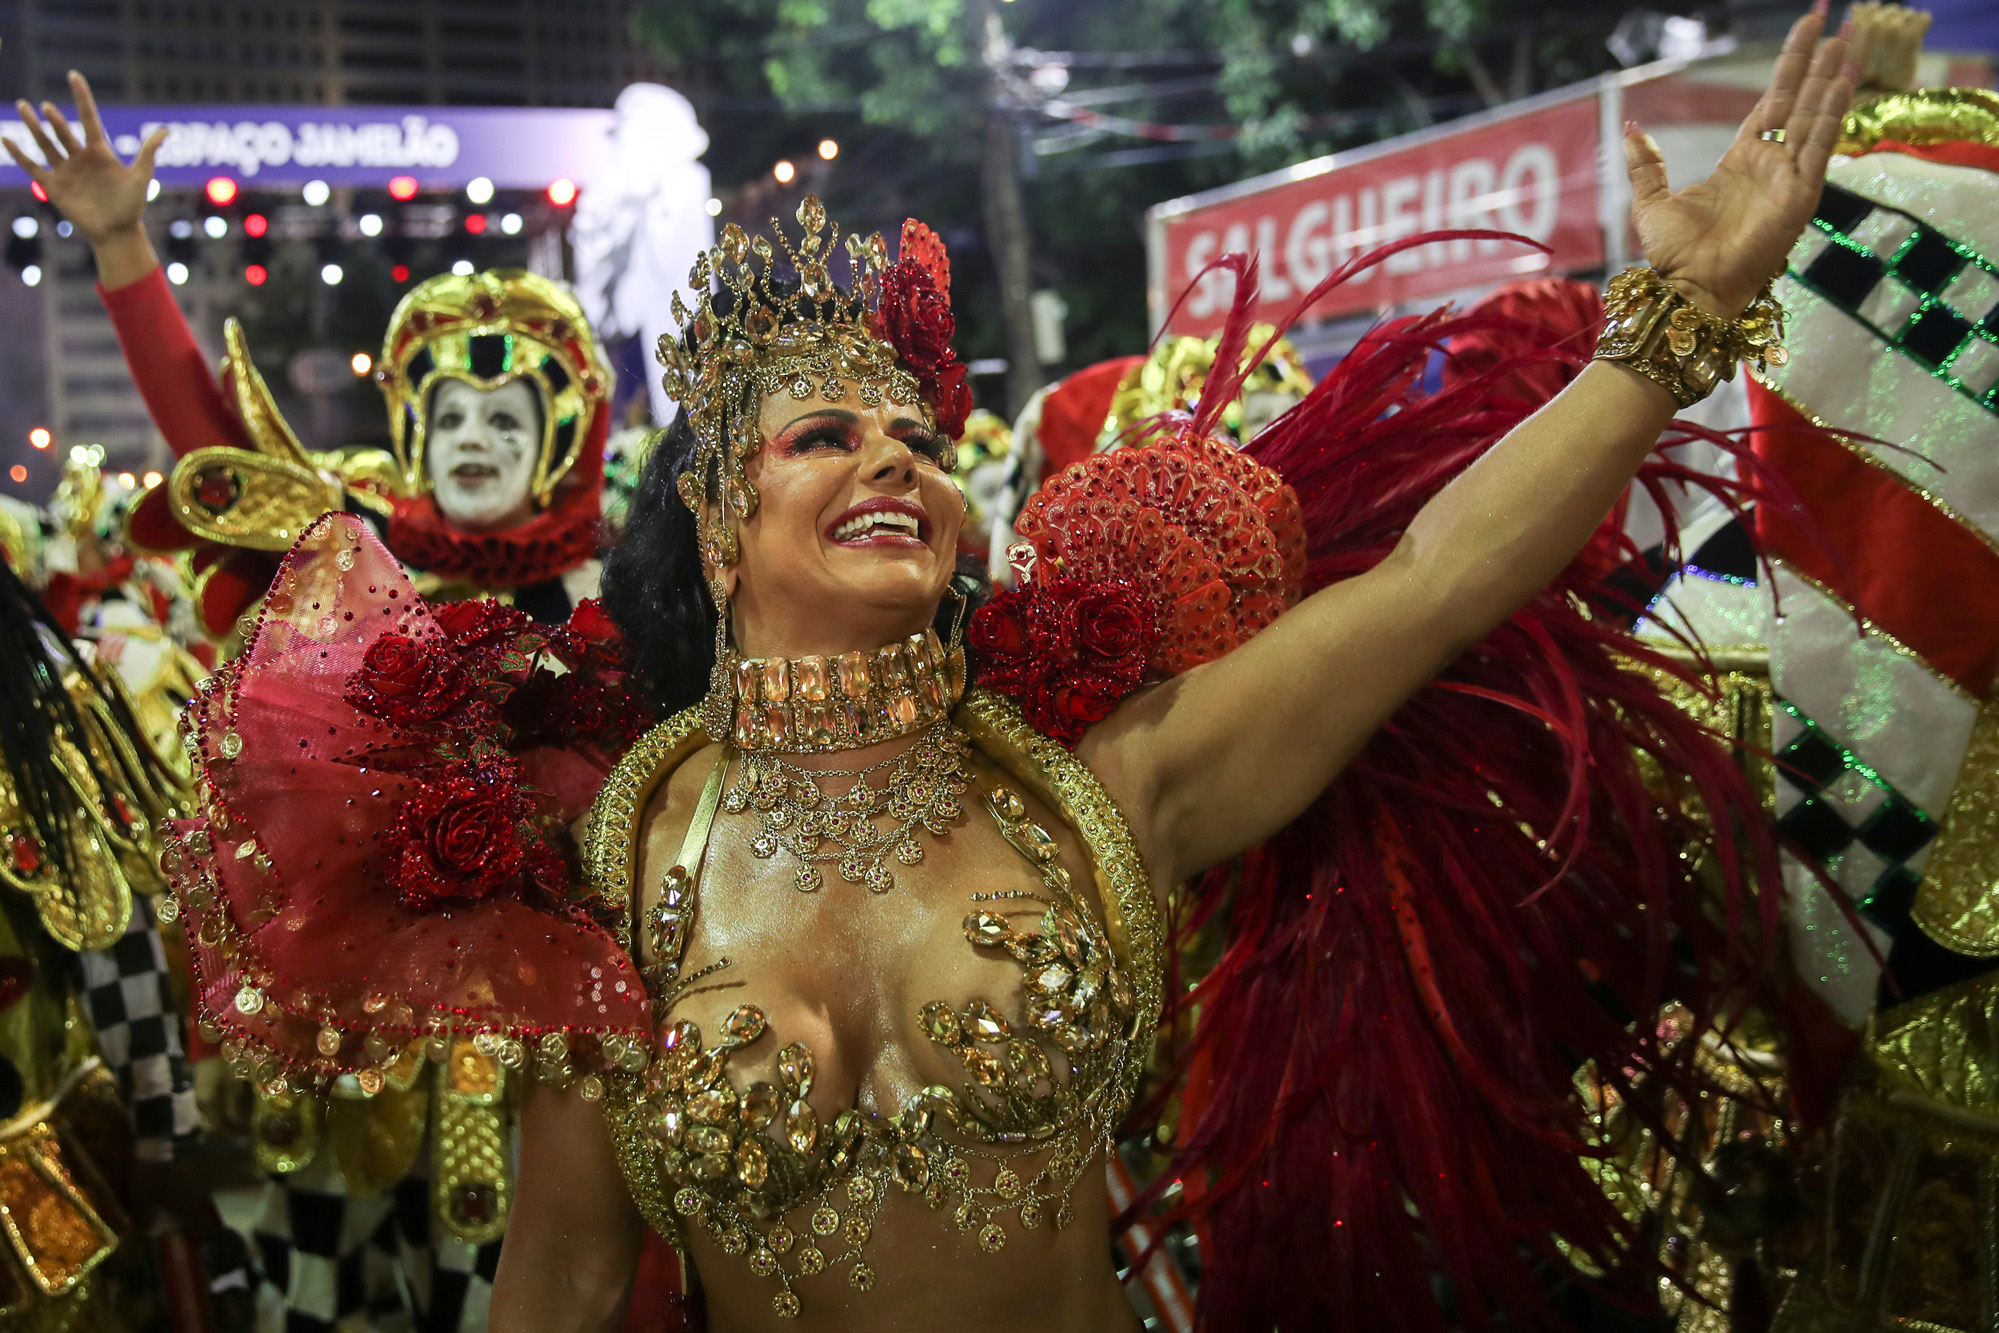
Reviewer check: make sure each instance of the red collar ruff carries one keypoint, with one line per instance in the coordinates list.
(547, 546)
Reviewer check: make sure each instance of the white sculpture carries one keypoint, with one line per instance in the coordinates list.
(641, 220)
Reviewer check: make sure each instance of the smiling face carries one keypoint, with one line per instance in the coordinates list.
(480, 447)
(856, 531)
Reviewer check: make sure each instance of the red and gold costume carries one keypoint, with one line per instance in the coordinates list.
(1870, 636)
(245, 487)
(1376, 1081)
(244, 490)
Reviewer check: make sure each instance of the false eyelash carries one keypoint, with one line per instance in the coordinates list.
(816, 436)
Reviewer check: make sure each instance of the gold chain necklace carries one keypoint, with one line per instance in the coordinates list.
(922, 789)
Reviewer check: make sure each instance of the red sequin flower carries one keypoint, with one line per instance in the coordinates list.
(1067, 650)
(479, 622)
(589, 639)
(406, 682)
(915, 317)
(467, 834)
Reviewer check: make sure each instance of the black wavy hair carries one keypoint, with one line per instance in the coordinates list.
(654, 589)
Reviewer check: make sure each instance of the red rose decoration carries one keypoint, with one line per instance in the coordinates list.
(999, 630)
(917, 318)
(406, 682)
(1113, 628)
(468, 834)
(479, 622)
(1067, 650)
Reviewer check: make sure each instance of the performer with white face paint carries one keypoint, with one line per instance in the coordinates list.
(482, 453)
(496, 395)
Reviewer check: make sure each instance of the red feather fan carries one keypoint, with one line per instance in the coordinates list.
(1491, 894)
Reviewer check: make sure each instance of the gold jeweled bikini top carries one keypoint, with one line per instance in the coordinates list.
(696, 1149)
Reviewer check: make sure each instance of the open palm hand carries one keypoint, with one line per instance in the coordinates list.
(1721, 239)
(83, 177)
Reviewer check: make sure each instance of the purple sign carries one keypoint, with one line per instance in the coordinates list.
(286, 146)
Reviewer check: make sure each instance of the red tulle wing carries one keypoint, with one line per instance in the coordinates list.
(304, 947)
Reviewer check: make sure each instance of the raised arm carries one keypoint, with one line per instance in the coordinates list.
(1218, 759)
(105, 199)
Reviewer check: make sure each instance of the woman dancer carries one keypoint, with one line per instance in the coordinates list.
(862, 979)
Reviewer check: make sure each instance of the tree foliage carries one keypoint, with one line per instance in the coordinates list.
(906, 85)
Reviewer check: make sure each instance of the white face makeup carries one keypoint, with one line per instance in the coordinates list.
(479, 448)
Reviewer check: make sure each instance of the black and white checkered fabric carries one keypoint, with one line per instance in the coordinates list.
(1927, 294)
(128, 994)
(341, 1262)
(1847, 818)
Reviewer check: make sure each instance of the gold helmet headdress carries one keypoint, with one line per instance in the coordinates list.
(1889, 107)
(1173, 377)
(487, 329)
(786, 324)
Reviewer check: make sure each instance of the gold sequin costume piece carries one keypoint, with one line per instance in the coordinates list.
(757, 1169)
(66, 1149)
(115, 835)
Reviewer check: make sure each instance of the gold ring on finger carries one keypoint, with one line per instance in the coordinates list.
(1772, 136)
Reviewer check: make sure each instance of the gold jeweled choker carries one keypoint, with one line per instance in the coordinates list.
(822, 704)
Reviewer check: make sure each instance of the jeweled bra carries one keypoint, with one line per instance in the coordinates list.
(697, 1150)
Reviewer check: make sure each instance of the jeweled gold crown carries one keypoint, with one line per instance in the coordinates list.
(786, 325)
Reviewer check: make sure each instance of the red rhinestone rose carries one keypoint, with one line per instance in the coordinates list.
(406, 682)
(1114, 630)
(479, 622)
(915, 317)
(1067, 650)
(467, 834)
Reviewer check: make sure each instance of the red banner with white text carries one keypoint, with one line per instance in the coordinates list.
(1534, 173)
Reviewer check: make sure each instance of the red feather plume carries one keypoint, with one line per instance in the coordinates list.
(1379, 1086)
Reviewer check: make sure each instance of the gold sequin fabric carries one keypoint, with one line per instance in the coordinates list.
(1718, 1224)
(759, 1171)
(58, 1217)
(1905, 1226)
(1955, 903)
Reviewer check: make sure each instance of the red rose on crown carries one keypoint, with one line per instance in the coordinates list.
(467, 834)
(406, 682)
(915, 318)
